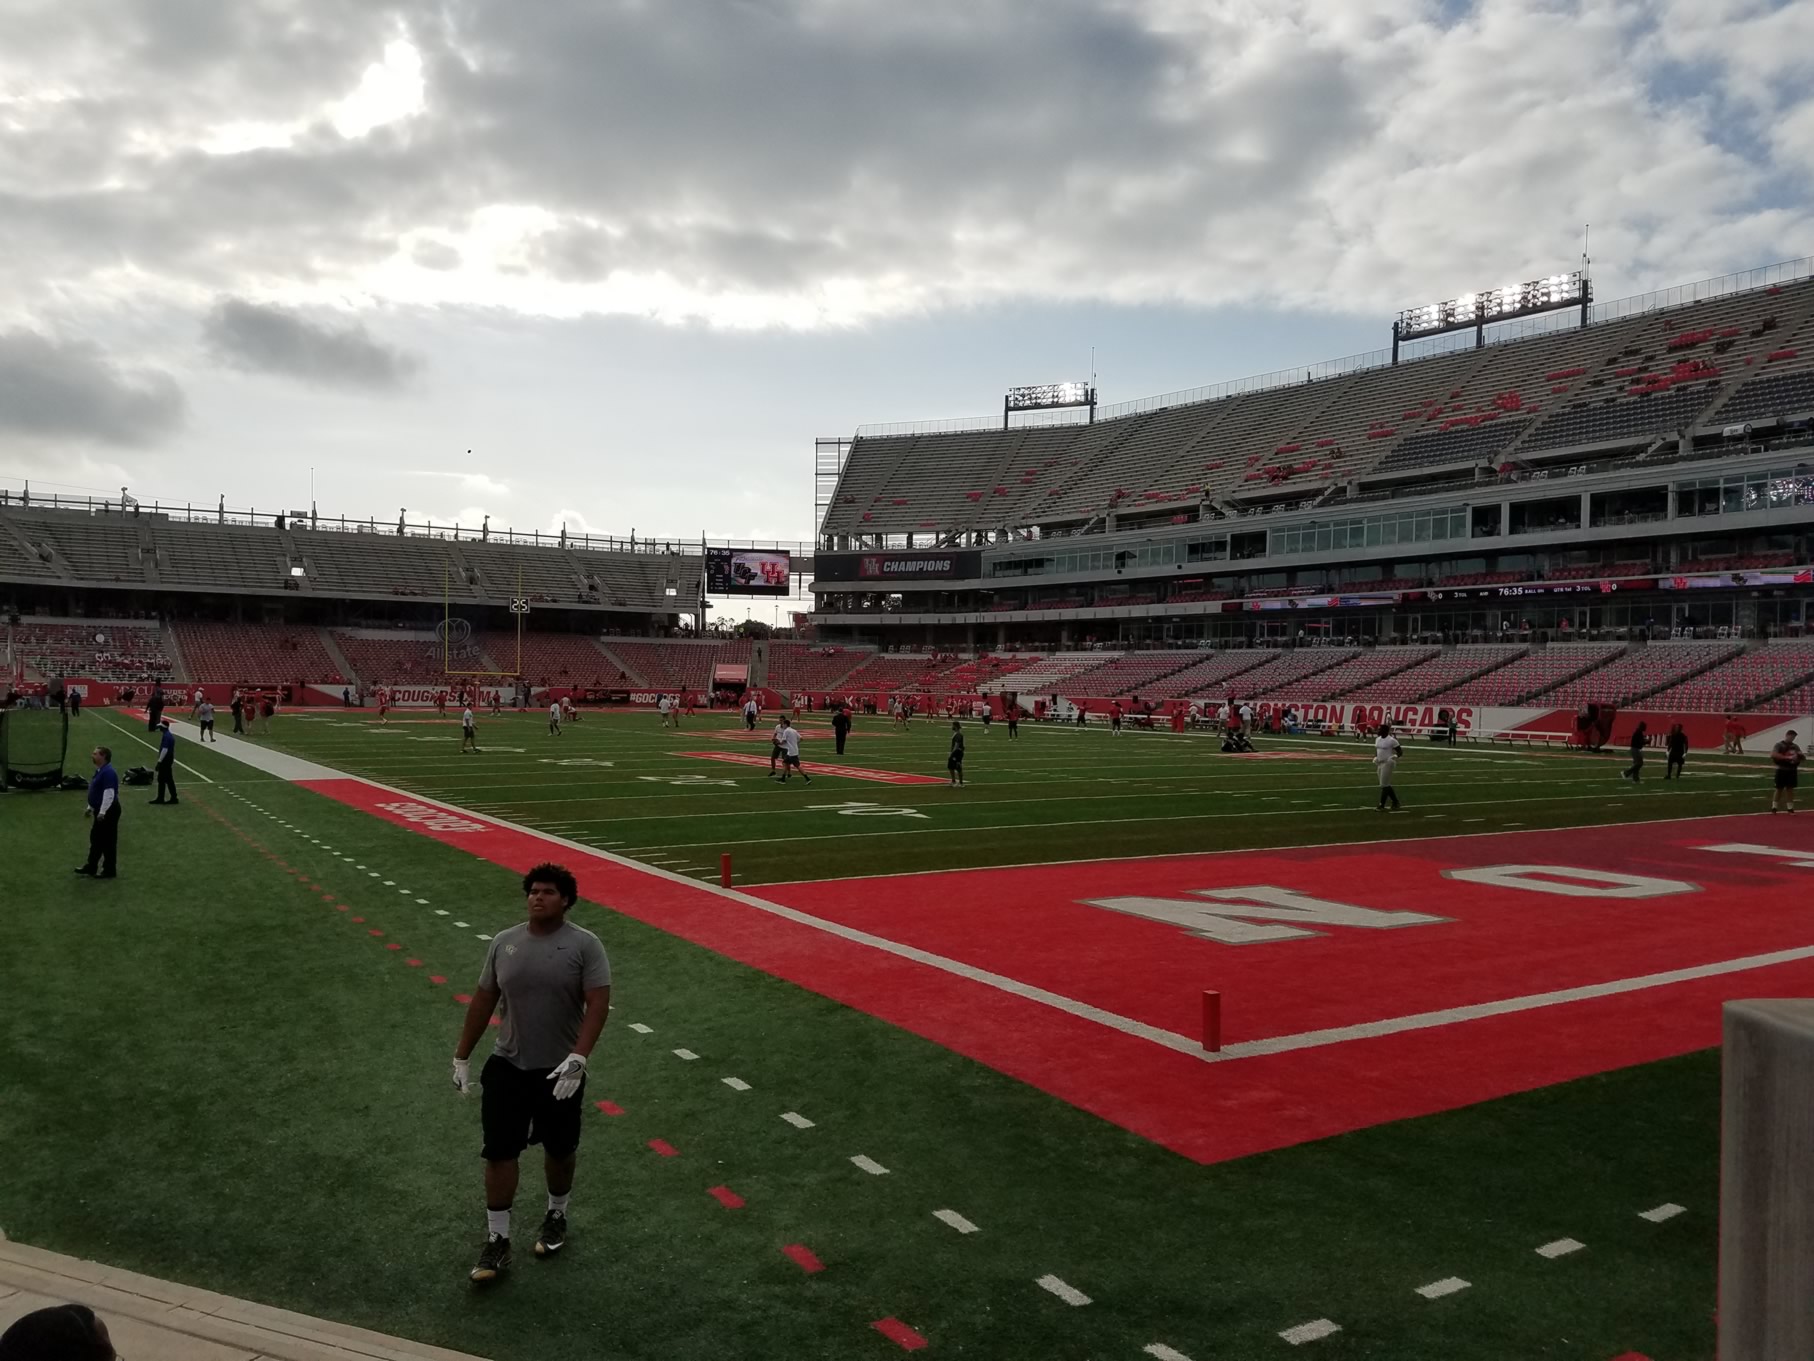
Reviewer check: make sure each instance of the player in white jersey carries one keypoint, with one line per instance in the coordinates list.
(469, 735)
(554, 718)
(1386, 751)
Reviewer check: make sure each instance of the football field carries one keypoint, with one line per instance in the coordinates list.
(933, 1070)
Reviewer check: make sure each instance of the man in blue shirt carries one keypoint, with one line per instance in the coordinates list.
(104, 809)
(166, 763)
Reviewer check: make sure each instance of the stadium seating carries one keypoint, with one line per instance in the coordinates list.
(1133, 674)
(676, 665)
(1210, 674)
(1641, 672)
(1283, 673)
(96, 547)
(1746, 681)
(552, 658)
(1050, 675)
(1532, 674)
(378, 656)
(254, 654)
(803, 667)
(977, 676)
(893, 673)
(207, 555)
(1361, 669)
(1599, 571)
(1435, 674)
(1625, 380)
(102, 650)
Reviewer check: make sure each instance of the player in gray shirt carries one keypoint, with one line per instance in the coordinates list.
(553, 980)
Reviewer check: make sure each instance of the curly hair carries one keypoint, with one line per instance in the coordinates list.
(557, 875)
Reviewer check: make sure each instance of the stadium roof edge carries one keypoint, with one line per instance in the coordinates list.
(1722, 285)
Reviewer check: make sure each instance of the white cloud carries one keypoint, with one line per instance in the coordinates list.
(475, 484)
(389, 90)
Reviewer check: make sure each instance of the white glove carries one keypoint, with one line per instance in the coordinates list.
(568, 1076)
(462, 1076)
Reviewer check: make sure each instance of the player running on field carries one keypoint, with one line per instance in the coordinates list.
(776, 747)
(554, 718)
(469, 736)
(554, 980)
(1787, 758)
(790, 752)
(954, 763)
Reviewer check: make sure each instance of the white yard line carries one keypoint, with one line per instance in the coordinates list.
(1070, 1294)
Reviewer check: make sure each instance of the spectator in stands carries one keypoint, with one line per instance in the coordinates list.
(1786, 756)
(1675, 747)
(104, 811)
(60, 1332)
(840, 727)
(1640, 738)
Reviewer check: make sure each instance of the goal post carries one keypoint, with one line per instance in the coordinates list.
(455, 633)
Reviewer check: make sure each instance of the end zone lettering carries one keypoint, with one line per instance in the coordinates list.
(1409, 717)
(437, 819)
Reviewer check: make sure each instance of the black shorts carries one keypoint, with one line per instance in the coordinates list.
(793, 761)
(517, 1108)
(955, 763)
(1786, 777)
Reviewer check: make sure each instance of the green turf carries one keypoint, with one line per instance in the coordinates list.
(211, 1075)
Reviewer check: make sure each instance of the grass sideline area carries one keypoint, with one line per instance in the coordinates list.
(217, 1076)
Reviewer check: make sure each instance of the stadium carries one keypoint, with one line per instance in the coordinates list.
(1132, 1045)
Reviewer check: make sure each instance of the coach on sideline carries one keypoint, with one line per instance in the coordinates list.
(104, 808)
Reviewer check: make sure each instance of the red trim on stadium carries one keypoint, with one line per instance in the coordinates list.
(1033, 925)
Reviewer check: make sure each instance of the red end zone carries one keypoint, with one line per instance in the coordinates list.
(1335, 967)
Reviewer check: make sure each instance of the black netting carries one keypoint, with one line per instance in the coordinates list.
(33, 743)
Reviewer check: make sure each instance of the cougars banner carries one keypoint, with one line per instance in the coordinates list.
(963, 564)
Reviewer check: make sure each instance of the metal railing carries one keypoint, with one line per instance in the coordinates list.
(15, 494)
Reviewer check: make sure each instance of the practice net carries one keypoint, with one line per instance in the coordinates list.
(33, 744)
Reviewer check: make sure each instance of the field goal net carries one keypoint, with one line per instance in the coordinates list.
(33, 744)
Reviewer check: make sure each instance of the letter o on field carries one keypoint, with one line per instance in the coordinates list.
(1569, 881)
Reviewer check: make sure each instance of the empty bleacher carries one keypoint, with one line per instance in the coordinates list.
(551, 658)
(1209, 673)
(1436, 674)
(1532, 674)
(254, 654)
(1133, 674)
(1744, 682)
(406, 655)
(1284, 671)
(1638, 673)
(1357, 672)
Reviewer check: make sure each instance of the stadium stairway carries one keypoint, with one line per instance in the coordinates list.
(56, 562)
(1716, 656)
(340, 662)
(1487, 667)
(641, 680)
(179, 667)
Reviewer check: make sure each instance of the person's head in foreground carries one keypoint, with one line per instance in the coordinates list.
(63, 1332)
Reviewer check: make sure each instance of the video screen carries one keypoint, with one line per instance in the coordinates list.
(747, 571)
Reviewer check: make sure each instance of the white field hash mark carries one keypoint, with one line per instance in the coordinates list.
(1070, 1294)
(962, 1225)
(685, 1054)
(870, 1165)
(1662, 1212)
(1435, 1290)
(1560, 1248)
(640, 1028)
(1160, 1352)
(797, 1120)
(1313, 1331)
(736, 1084)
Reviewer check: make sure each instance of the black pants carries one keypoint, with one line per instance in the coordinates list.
(1637, 766)
(166, 781)
(1673, 769)
(154, 713)
(238, 726)
(104, 840)
(1013, 728)
(841, 743)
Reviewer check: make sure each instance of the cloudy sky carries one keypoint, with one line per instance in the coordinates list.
(635, 254)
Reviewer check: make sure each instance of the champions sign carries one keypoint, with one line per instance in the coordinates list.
(942, 564)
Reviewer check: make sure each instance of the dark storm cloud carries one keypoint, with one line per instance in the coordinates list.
(70, 390)
(264, 339)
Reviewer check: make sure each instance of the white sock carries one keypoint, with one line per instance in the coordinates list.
(559, 1203)
(498, 1222)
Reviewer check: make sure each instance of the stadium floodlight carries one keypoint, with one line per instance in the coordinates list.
(1479, 309)
(1046, 397)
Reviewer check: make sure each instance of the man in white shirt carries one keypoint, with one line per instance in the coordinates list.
(787, 738)
(750, 710)
(469, 736)
(554, 718)
(1386, 751)
(1247, 717)
(661, 707)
